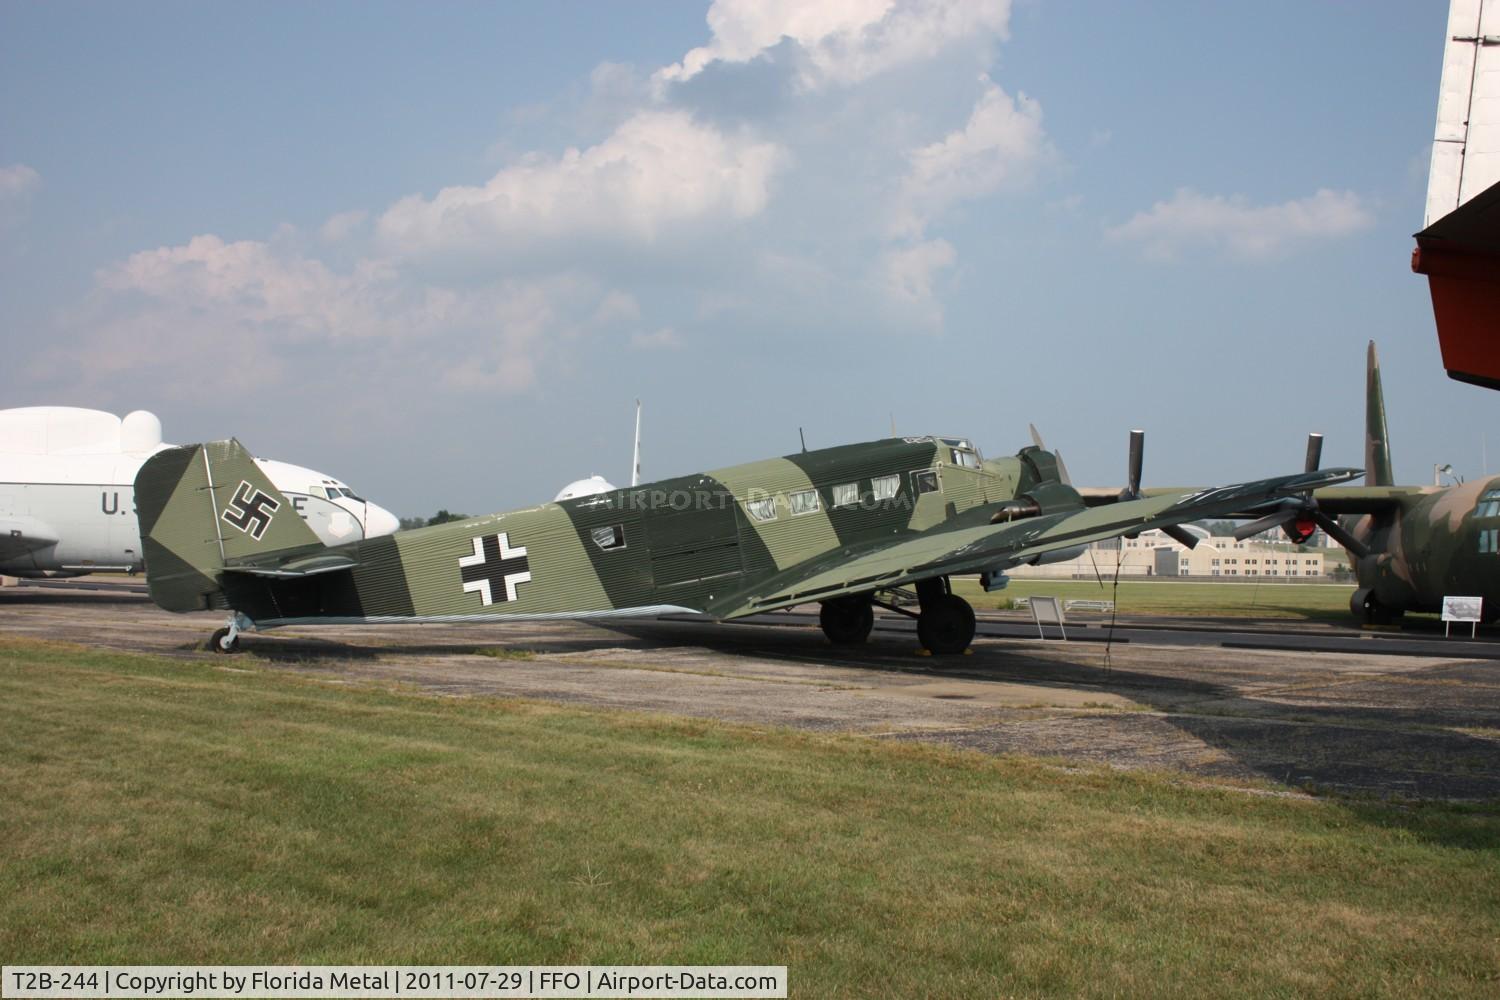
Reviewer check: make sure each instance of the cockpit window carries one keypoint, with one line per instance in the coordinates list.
(1489, 505)
(965, 458)
(317, 491)
(925, 481)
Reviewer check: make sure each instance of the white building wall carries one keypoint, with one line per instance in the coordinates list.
(1156, 554)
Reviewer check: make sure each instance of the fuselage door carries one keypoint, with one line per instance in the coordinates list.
(693, 530)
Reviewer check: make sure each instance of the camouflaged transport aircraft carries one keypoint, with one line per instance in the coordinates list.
(1410, 545)
(840, 526)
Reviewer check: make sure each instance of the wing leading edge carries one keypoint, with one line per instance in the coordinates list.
(940, 551)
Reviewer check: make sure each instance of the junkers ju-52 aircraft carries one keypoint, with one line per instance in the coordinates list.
(840, 526)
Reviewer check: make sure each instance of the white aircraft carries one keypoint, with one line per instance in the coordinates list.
(67, 494)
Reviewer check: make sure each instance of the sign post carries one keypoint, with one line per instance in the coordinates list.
(1047, 611)
(1461, 609)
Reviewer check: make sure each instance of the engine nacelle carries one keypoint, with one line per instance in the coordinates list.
(1058, 555)
(1300, 529)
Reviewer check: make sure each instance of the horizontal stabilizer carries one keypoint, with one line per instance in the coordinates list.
(306, 566)
(21, 535)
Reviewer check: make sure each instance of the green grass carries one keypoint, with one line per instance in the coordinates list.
(1172, 597)
(204, 811)
(506, 653)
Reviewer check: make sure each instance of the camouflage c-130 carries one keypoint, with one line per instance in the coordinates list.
(839, 526)
(1410, 545)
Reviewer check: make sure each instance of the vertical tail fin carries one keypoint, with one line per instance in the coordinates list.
(1377, 443)
(202, 507)
(635, 459)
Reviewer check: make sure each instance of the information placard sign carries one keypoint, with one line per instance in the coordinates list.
(1461, 609)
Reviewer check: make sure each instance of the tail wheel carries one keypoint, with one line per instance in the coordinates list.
(946, 624)
(222, 642)
(847, 621)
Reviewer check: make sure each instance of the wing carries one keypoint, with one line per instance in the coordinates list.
(1340, 500)
(22, 535)
(942, 551)
(1335, 500)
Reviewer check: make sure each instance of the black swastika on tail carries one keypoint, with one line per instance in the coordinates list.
(495, 569)
(250, 510)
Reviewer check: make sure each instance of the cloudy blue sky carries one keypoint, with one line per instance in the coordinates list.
(438, 249)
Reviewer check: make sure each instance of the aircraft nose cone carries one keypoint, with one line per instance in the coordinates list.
(379, 521)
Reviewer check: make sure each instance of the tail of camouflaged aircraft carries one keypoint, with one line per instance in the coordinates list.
(200, 509)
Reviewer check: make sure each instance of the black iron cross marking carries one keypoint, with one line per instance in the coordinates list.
(494, 570)
(250, 510)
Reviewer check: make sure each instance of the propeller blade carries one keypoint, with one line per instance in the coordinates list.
(1314, 452)
(1062, 470)
(1137, 456)
(1272, 520)
(1036, 437)
(1180, 534)
(1336, 531)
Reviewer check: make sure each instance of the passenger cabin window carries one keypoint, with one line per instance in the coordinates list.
(924, 481)
(610, 537)
(885, 487)
(1489, 505)
(803, 502)
(763, 509)
(846, 495)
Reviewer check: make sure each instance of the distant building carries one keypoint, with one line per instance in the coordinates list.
(1153, 553)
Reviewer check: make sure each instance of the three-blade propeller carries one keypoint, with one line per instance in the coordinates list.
(1132, 490)
(1301, 515)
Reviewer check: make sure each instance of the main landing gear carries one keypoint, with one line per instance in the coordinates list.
(945, 625)
(227, 639)
(1364, 604)
(847, 620)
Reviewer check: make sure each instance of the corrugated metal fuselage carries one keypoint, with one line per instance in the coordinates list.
(681, 544)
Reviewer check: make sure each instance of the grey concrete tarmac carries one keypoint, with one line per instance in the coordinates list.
(1367, 722)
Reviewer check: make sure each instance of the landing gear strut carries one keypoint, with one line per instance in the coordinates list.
(847, 621)
(227, 639)
(946, 624)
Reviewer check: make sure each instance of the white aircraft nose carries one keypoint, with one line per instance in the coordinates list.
(379, 521)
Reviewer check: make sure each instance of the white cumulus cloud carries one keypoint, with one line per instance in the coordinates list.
(844, 41)
(1002, 144)
(18, 180)
(657, 170)
(1191, 220)
(263, 313)
(909, 273)
(343, 225)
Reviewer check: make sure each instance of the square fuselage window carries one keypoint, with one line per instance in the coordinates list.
(802, 502)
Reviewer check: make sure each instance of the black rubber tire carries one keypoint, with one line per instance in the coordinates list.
(1363, 602)
(847, 621)
(220, 642)
(946, 625)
